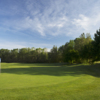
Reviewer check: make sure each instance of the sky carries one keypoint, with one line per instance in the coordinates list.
(45, 23)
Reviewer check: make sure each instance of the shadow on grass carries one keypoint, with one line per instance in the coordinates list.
(56, 70)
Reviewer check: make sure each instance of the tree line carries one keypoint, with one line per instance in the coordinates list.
(80, 50)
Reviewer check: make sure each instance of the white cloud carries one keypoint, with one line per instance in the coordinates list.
(82, 22)
(10, 45)
(40, 29)
(88, 24)
(41, 45)
(13, 45)
(49, 21)
(59, 17)
(59, 22)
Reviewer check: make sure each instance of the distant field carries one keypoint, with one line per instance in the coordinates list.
(49, 82)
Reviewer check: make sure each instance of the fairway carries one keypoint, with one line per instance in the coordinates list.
(20, 81)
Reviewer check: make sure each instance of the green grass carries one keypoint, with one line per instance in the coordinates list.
(49, 82)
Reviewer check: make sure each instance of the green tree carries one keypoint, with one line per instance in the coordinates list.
(72, 56)
(97, 45)
(22, 56)
(53, 55)
(14, 55)
(5, 55)
(87, 53)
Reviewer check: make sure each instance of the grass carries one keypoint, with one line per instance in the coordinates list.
(49, 82)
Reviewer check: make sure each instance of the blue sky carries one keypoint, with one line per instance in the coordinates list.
(44, 23)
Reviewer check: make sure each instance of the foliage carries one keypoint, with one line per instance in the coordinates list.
(87, 52)
(72, 56)
(80, 50)
(97, 45)
(74, 51)
(24, 55)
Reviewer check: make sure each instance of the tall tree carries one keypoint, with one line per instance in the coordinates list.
(14, 55)
(97, 45)
(54, 54)
(72, 56)
(87, 52)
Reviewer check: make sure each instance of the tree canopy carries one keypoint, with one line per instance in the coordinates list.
(81, 49)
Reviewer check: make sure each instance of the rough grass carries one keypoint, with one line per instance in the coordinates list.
(49, 82)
